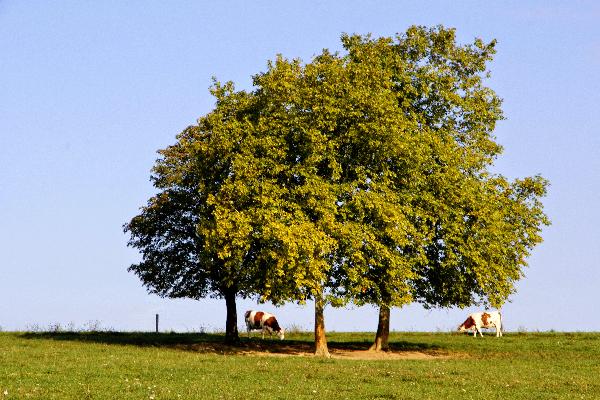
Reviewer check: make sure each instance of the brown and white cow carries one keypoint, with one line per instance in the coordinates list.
(258, 320)
(485, 319)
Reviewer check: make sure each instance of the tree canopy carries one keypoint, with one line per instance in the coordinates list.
(362, 176)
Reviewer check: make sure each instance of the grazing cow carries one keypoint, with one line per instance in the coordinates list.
(258, 320)
(478, 320)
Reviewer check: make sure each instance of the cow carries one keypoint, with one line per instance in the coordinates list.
(485, 319)
(258, 320)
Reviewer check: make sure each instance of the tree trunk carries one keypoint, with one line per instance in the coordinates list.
(383, 330)
(320, 339)
(231, 329)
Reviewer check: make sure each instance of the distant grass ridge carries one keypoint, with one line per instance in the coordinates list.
(135, 365)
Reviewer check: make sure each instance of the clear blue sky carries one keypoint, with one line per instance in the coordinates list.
(89, 90)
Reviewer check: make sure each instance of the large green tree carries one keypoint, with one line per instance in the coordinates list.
(467, 231)
(230, 216)
(344, 135)
(178, 255)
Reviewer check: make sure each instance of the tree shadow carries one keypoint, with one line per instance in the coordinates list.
(215, 344)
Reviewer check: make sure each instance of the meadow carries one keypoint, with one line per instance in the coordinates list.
(113, 365)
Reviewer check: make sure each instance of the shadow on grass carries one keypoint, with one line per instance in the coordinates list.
(214, 343)
(128, 338)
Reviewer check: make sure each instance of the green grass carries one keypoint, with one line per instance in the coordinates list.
(196, 366)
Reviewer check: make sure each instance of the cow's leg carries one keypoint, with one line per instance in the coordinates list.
(263, 333)
(269, 331)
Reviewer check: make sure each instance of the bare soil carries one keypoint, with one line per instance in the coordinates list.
(269, 348)
(385, 355)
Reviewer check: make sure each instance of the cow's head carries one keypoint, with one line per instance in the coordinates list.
(281, 333)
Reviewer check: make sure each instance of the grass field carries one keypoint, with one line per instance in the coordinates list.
(110, 365)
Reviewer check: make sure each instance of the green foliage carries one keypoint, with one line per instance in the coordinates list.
(363, 175)
(436, 218)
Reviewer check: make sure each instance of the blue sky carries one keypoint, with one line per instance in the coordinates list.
(90, 90)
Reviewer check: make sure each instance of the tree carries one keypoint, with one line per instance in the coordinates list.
(178, 259)
(289, 94)
(349, 144)
(467, 231)
(226, 221)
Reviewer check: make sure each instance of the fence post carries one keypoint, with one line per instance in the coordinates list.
(156, 323)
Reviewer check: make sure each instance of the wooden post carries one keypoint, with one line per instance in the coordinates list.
(156, 323)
